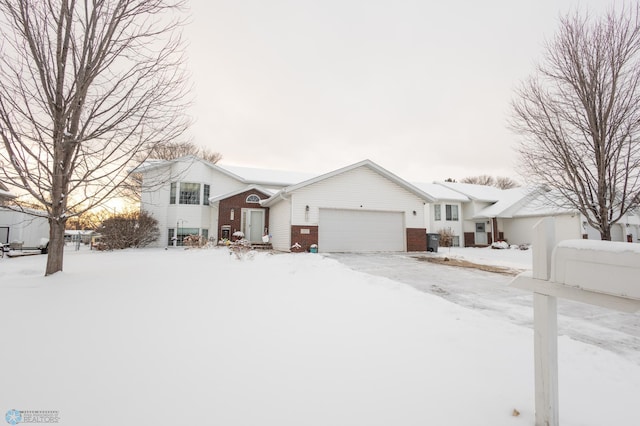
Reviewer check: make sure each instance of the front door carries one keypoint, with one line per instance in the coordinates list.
(253, 224)
(481, 233)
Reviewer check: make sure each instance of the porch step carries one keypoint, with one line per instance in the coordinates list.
(261, 246)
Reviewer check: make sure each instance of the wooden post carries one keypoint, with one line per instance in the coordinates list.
(545, 319)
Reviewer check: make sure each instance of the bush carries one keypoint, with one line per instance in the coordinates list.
(446, 237)
(133, 229)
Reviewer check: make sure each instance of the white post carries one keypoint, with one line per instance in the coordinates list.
(545, 318)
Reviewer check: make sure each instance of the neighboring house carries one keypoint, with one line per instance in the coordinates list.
(20, 227)
(23, 229)
(361, 207)
(5, 194)
(493, 214)
(477, 229)
(445, 212)
(83, 236)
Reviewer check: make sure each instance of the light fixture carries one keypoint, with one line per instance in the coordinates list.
(415, 213)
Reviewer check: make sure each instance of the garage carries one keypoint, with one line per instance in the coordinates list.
(342, 230)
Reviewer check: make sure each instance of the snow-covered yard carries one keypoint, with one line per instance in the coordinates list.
(190, 337)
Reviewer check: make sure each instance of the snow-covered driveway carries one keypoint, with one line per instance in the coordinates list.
(489, 292)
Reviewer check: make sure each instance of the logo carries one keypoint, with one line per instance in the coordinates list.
(13, 417)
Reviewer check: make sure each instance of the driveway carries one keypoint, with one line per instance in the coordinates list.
(489, 292)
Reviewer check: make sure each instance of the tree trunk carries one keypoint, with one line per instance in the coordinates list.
(56, 246)
(605, 233)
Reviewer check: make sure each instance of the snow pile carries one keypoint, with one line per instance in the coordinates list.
(189, 337)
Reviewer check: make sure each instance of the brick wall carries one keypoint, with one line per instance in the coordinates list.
(300, 236)
(416, 239)
(237, 203)
(469, 239)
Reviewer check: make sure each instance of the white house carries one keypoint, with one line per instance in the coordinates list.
(493, 214)
(361, 207)
(190, 196)
(444, 213)
(24, 229)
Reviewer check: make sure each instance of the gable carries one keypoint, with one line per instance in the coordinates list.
(361, 188)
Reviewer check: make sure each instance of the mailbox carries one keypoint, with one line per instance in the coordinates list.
(600, 266)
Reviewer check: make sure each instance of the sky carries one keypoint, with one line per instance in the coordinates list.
(423, 88)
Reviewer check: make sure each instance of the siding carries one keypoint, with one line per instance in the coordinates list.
(24, 228)
(520, 230)
(155, 197)
(355, 189)
(443, 223)
(280, 225)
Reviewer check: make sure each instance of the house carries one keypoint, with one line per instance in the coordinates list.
(190, 196)
(358, 208)
(444, 213)
(23, 229)
(493, 214)
(361, 207)
(5, 194)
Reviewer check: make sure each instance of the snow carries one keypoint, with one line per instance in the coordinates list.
(197, 336)
(475, 192)
(508, 198)
(440, 193)
(268, 176)
(598, 245)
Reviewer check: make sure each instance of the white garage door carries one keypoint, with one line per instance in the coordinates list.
(360, 230)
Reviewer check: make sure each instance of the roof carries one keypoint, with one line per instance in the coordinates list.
(475, 192)
(441, 193)
(246, 175)
(267, 191)
(509, 199)
(4, 191)
(268, 177)
(365, 163)
(538, 205)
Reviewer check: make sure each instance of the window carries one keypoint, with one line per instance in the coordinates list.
(455, 241)
(172, 233)
(253, 198)
(189, 193)
(437, 213)
(452, 212)
(172, 193)
(207, 191)
(205, 234)
(185, 232)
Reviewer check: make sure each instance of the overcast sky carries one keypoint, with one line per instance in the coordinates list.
(420, 87)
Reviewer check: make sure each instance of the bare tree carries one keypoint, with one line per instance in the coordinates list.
(175, 150)
(579, 115)
(501, 182)
(87, 88)
(504, 182)
(479, 180)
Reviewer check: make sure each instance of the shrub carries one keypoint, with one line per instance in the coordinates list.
(446, 237)
(133, 229)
